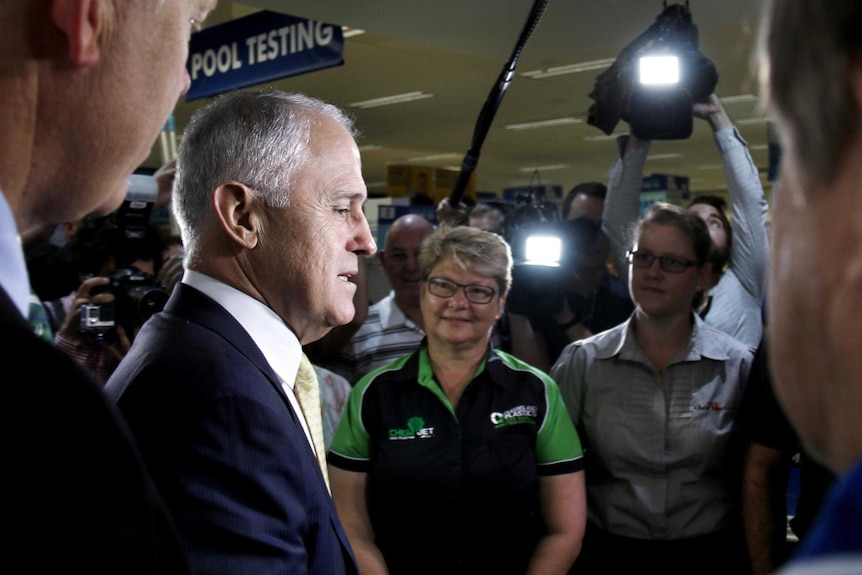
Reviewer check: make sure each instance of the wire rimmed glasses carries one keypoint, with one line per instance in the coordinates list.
(670, 264)
(474, 293)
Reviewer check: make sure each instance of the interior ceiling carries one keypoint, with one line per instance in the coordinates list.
(456, 50)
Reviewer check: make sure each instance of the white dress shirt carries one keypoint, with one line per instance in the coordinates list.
(13, 270)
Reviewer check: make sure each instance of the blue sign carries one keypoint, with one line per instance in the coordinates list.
(258, 48)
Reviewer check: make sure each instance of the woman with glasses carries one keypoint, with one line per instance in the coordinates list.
(459, 458)
(654, 401)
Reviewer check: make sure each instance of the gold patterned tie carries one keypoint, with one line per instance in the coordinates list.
(307, 390)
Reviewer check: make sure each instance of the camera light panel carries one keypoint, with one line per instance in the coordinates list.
(659, 70)
(543, 250)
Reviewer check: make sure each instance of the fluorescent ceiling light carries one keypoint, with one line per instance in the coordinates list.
(741, 99)
(603, 137)
(759, 147)
(387, 100)
(544, 124)
(348, 32)
(435, 157)
(569, 69)
(369, 148)
(548, 168)
(749, 121)
(663, 156)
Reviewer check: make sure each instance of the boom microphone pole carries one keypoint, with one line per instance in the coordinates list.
(489, 110)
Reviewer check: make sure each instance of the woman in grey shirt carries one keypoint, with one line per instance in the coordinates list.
(654, 400)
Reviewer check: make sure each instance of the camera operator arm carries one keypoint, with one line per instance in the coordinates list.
(622, 203)
(528, 345)
(749, 252)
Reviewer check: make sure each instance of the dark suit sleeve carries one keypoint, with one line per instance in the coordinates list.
(231, 461)
(78, 498)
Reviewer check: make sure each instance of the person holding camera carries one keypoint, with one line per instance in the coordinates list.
(105, 259)
(654, 400)
(590, 298)
(733, 299)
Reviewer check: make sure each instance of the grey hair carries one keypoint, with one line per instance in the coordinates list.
(484, 253)
(806, 50)
(258, 138)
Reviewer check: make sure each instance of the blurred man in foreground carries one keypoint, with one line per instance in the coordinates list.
(87, 86)
(816, 268)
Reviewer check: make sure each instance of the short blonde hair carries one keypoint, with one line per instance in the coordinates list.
(472, 249)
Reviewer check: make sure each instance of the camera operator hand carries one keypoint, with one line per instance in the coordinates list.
(164, 177)
(712, 110)
(171, 272)
(70, 335)
(70, 328)
(453, 215)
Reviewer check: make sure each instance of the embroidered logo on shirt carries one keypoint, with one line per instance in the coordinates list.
(515, 416)
(415, 430)
(712, 406)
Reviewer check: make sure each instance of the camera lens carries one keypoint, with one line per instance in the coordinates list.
(144, 301)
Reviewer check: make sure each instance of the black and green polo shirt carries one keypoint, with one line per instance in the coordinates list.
(456, 490)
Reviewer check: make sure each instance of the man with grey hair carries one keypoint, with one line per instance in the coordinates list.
(87, 85)
(811, 73)
(268, 196)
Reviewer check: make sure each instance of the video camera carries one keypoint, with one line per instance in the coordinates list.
(655, 80)
(544, 250)
(137, 295)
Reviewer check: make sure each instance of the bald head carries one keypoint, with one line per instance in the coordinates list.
(406, 226)
(400, 258)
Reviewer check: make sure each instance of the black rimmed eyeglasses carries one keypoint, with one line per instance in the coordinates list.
(474, 293)
(669, 264)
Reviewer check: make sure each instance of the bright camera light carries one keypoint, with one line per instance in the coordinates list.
(544, 250)
(659, 70)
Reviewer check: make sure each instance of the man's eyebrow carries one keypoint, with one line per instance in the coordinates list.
(350, 193)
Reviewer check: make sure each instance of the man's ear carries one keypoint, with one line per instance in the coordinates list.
(238, 212)
(80, 21)
(856, 80)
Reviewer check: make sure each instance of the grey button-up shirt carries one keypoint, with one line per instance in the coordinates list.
(659, 447)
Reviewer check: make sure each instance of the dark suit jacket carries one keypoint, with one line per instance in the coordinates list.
(78, 498)
(224, 446)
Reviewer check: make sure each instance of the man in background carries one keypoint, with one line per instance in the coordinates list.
(811, 73)
(87, 86)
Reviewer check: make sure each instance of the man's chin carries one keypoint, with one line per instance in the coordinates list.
(343, 316)
(110, 203)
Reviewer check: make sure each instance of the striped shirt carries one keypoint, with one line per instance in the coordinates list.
(386, 335)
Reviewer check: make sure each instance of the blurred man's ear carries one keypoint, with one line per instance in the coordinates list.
(703, 275)
(856, 81)
(80, 21)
